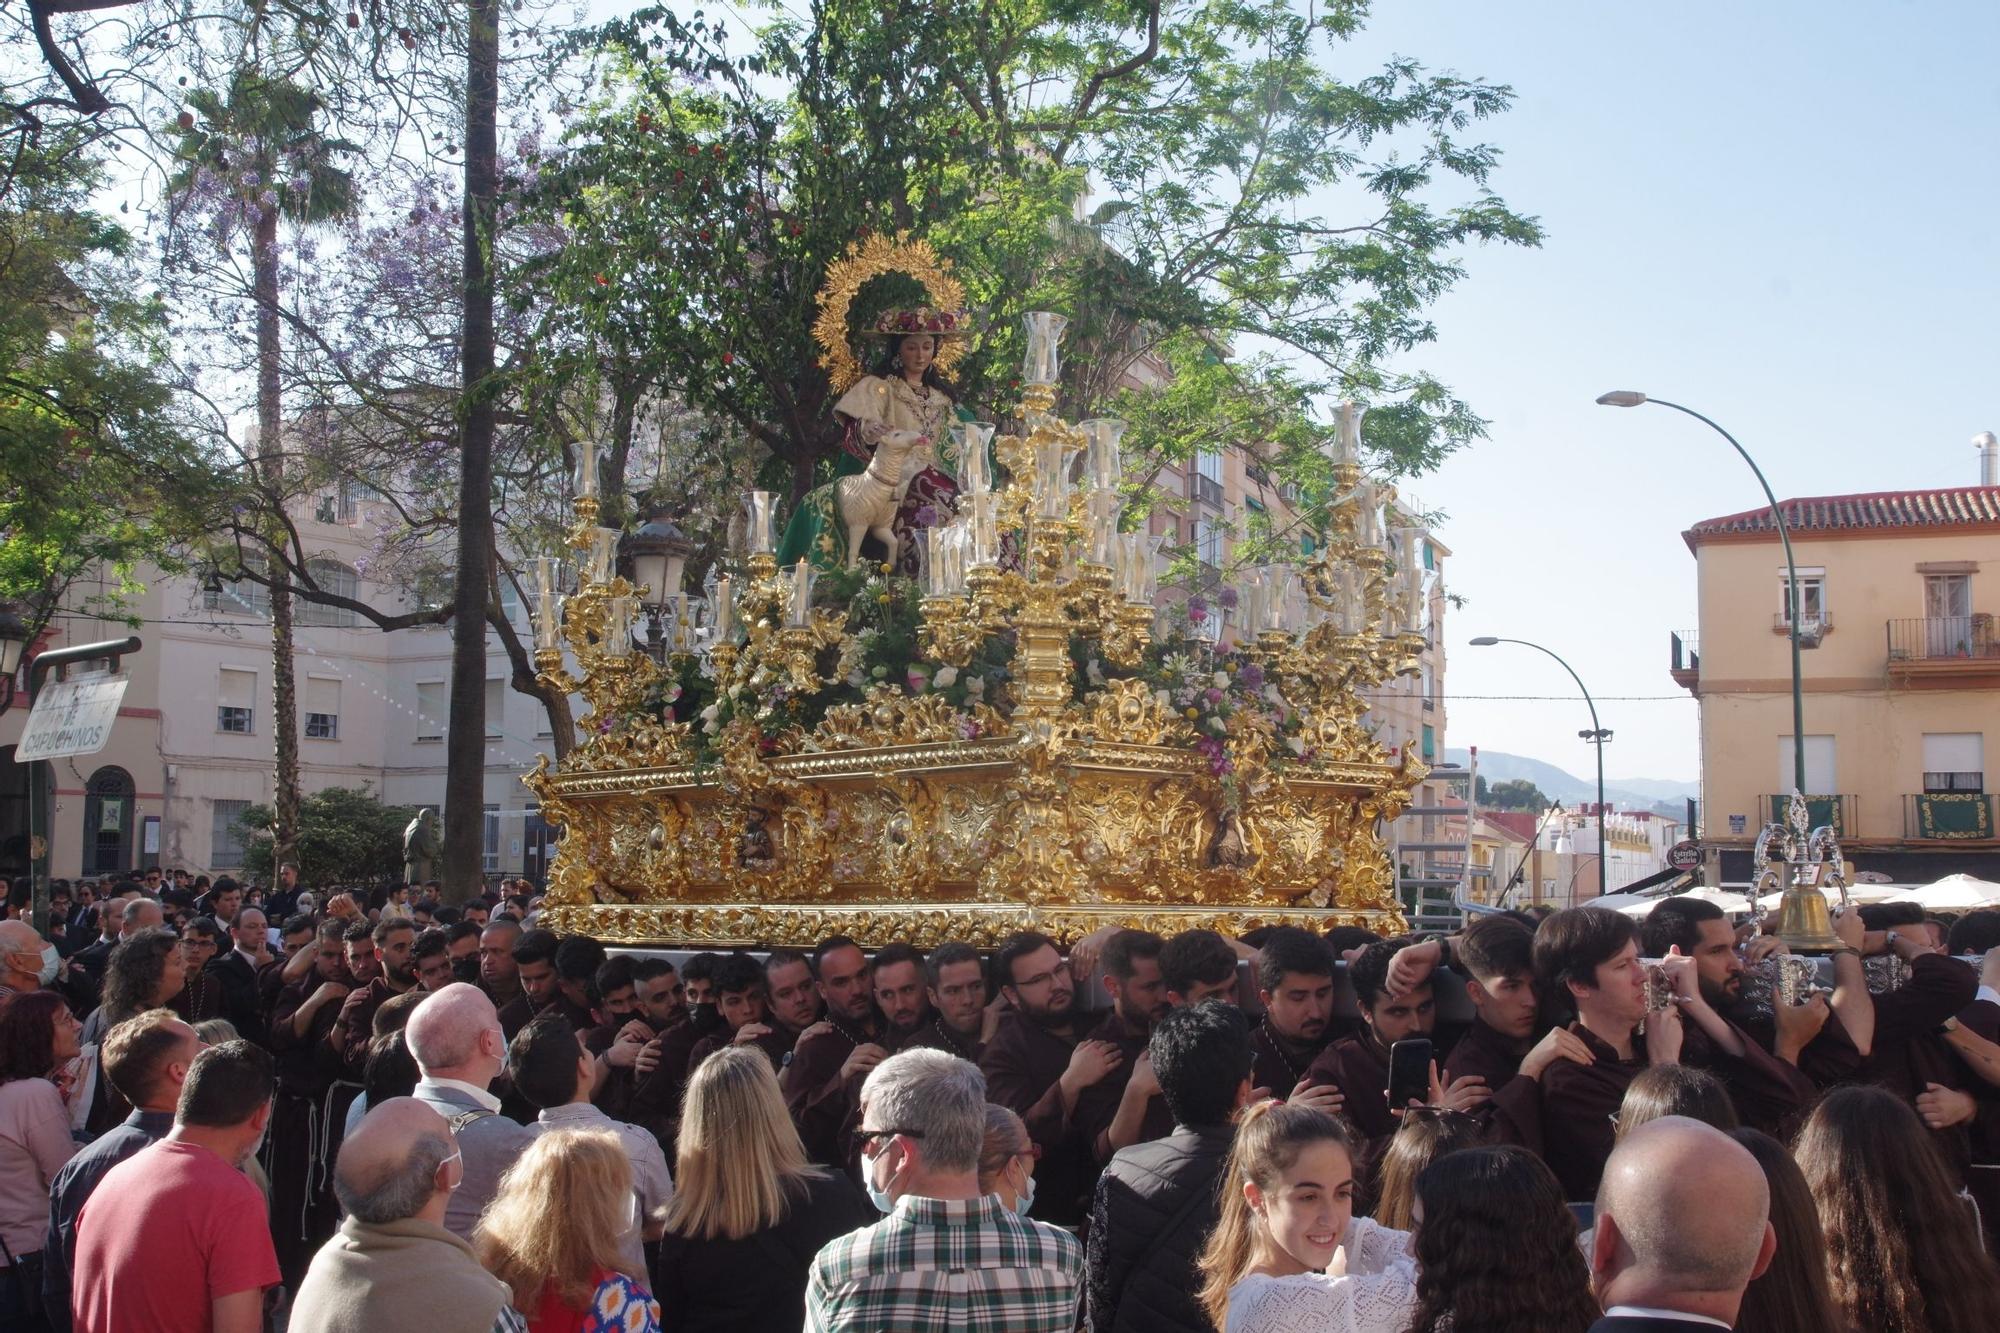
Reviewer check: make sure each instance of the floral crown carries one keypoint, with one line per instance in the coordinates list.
(923, 319)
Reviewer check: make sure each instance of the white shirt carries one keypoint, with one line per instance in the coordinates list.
(1649, 1312)
(1378, 1294)
(1988, 993)
(480, 1096)
(652, 1183)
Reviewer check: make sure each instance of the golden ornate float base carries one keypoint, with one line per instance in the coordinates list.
(938, 839)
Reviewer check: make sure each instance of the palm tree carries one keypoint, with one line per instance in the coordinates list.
(263, 146)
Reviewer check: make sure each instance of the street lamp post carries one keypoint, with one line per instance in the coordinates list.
(1597, 735)
(1633, 398)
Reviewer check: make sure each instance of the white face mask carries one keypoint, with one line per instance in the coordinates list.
(51, 964)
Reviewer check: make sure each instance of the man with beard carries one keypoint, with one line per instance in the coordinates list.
(302, 1204)
(658, 1007)
(1700, 931)
(900, 993)
(1125, 1107)
(461, 945)
(1038, 1065)
(1295, 986)
(1589, 958)
(393, 942)
(788, 976)
(660, 1067)
(956, 983)
(823, 1083)
(1359, 1066)
(498, 975)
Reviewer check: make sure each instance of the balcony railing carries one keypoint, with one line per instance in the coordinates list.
(1952, 816)
(1967, 638)
(1820, 812)
(1685, 662)
(1207, 490)
(1812, 628)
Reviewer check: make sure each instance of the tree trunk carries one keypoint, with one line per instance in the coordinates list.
(465, 738)
(271, 463)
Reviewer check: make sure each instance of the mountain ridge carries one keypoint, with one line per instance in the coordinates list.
(1559, 784)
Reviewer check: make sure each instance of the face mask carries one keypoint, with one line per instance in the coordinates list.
(706, 1017)
(1025, 1199)
(467, 970)
(51, 963)
(879, 1197)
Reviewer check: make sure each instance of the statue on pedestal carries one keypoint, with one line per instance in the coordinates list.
(420, 847)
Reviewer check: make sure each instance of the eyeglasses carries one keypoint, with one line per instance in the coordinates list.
(869, 1136)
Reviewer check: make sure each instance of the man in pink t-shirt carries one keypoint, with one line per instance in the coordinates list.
(175, 1239)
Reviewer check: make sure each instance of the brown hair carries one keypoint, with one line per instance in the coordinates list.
(1792, 1295)
(1425, 1135)
(28, 1034)
(1683, 1090)
(134, 1055)
(1497, 1251)
(1006, 1139)
(1876, 1177)
(1269, 1138)
(558, 1218)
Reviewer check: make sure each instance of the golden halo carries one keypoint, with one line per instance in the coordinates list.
(872, 258)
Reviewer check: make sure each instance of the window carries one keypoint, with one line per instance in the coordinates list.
(433, 706)
(1819, 766)
(227, 839)
(490, 847)
(1430, 742)
(335, 578)
(235, 701)
(1954, 761)
(1208, 542)
(1812, 597)
(1208, 477)
(510, 602)
(496, 708)
(242, 597)
(322, 708)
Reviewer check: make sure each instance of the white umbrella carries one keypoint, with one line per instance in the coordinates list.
(1953, 893)
(1621, 902)
(1856, 893)
(1736, 904)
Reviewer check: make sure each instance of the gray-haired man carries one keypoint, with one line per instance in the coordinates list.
(392, 1266)
(923, 1119)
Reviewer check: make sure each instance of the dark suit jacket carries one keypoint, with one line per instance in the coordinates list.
(240, 999)
(1630, 1324)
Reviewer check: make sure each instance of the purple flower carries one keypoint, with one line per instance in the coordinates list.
(1251, 677)
(1225, 597)
(1213, 695)
(1197, 610)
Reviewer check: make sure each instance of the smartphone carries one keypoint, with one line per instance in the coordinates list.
(1410, 1072)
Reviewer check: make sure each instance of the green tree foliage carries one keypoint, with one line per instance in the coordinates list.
(347, 836)
(96, 468)
(1513, 794)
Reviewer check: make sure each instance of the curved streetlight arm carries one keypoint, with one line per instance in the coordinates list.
(1792, 607)
(1603, 849)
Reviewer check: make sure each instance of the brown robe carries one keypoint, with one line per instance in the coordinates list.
(777, 1044)
(1097, 1106)
(1278, 1062)
(1023, 1064)
(937, 1036)
(825, 1106)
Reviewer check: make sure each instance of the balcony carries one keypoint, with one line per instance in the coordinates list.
(1686, 661)
(1820, 812)
(1206, 490)
(1947, 652)
(1956, 816)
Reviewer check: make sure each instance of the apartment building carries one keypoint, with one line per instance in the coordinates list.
(192, 747)
(1900, 672)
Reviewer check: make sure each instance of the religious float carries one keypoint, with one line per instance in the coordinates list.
(1024, 734)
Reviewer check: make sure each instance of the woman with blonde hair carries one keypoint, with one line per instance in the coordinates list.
(553, 1235)
(748, 1212)
(1007, 1160)
(1287, 1252)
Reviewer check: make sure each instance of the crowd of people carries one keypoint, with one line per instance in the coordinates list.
(232, 1110)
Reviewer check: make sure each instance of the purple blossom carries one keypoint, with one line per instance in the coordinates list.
(1251, 677)
(1225, 597)
(1213, 695)
(1219, 762)
(1197, 610)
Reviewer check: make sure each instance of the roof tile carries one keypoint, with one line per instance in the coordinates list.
(1952, 507)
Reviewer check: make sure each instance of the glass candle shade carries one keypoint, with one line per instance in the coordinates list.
(983, 551)
(1347, 433)
(762, 508)
(1051, 480)
(722, 617)
(798, 594)
(1105, 466)
(603, 554)
(1045, 330)
(616, 640)
(586, 469)
(975, 468)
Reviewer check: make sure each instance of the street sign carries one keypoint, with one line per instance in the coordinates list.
(71, 717)
(1684, 855)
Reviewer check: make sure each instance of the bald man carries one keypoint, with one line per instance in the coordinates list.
(456, 1039)
(1683, 1225)
(393, 1267)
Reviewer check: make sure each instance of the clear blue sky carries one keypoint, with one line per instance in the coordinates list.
(1782, 214)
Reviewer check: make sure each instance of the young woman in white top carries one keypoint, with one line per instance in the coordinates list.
(1287, 1254)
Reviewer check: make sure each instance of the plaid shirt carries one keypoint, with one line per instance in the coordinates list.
(956, 1265)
